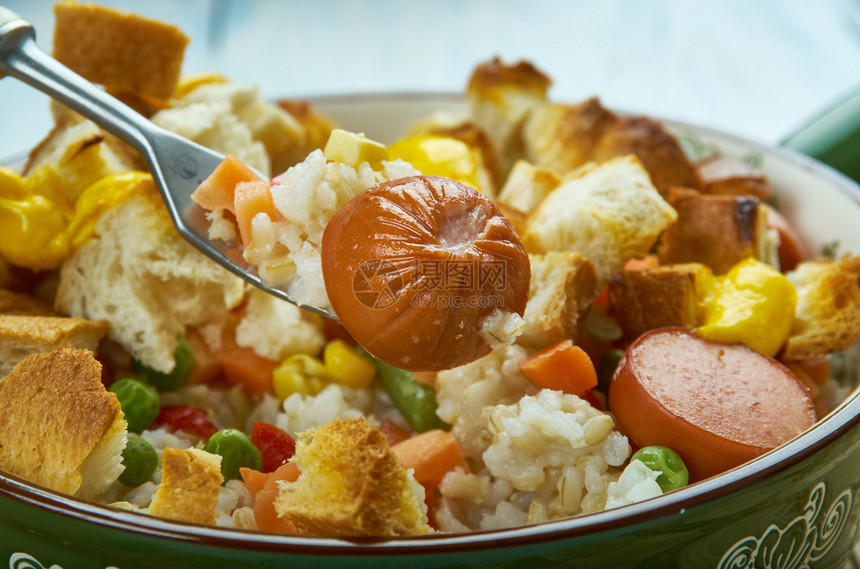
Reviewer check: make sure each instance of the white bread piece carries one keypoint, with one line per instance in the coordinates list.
(60, 427)
(210, 115)
(298, 331)
(563, 284)
(527, 186)
(351, 485)
(139, 275)
(190, 486)
(501, 96)
(608, 212)
(24, 334)
(80, 153)
(827, 316)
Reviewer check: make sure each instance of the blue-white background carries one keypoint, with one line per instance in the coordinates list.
(758, 68)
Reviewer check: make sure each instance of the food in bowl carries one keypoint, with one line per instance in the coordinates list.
(265, 404)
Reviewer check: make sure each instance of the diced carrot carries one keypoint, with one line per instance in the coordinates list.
(216, 191)
(207, 362)
(243, 366)
(426, 377)
(249, 199)
(602, 298)
(254, 479)
(562, 366)
(646, 262)
(266, 516)
(800, 373)
(431, 454)
(288, 472)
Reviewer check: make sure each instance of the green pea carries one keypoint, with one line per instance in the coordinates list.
(236, 450)
(178, 376)
(139, 459)
(673, 471)
(139, 402)
(415, 401)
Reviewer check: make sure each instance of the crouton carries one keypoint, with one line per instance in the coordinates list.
(351, 485)
(527, 186)
(722, 174)
(190, 486)
(149, 284)
(117, 49)
(716, 230)
(60, 428)
(563, 137)
(14, 303)
(317, 129)
(24, 334)
(609, 213)
(500, 97)
(649, 298)
(77, 153)
(658, 151)
(562, 286)
(827, 316)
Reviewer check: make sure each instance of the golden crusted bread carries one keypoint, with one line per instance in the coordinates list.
(655, 297)
(139, 275)
(563, 137)
(22, 335)
(562, 286)
(60, 427)
(715, 230)
(501, 96)
(827, 318)
(608, 212)
(14, 303)
(190, 486)
(722, 174)
(117, 49)
(351, 485)
(77, 153)
(527, 185)
(317, 129)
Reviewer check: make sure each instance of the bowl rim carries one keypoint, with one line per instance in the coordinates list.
(840, 421)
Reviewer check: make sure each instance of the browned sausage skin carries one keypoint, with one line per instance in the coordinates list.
(716, 405)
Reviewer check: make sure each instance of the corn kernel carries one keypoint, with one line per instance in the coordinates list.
(301, 374)
(347, 366)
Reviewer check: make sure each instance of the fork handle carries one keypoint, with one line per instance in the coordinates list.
(21, 58)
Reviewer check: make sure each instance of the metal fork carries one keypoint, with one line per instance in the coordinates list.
(177, 165)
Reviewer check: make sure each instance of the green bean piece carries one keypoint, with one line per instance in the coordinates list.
(415, 401)
(236, 451)
(139, 402)
(140, 460)
(673, 471)
(600, 325)
(176, 378)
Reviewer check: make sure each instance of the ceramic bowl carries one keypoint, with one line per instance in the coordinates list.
(797, 506)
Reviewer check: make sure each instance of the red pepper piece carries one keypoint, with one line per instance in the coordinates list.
(186, 418)
(276, 445)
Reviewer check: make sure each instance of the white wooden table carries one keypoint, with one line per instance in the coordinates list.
(756, 68)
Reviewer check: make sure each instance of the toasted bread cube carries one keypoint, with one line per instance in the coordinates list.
(24, 334)
(827, 317)
(658, 151)
(562, 286)
(14, 303)
(190, 486)
(120, 50)
(527, 186)
(730, 175)
(351, 485)
(649, 298)
(60, 427)
(608, 212)
(563, 137)
(500, 97)
(716, 230)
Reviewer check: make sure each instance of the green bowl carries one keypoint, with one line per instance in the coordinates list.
(797, 506)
